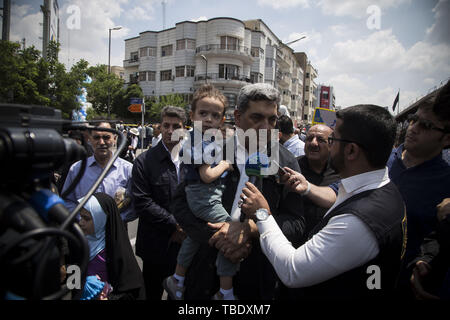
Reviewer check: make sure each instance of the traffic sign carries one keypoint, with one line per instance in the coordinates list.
(136, 101)
(137, 108)
(324, 116)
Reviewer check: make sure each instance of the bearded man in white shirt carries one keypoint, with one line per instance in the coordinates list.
(357, 249)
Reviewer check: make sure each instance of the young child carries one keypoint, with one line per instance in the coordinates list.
(204, 189)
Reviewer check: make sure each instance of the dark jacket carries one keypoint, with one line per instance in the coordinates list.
(154, 183)
(256, 278)
(383, 212)
(314, 213)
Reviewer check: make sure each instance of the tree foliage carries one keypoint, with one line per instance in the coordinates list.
(27, 78)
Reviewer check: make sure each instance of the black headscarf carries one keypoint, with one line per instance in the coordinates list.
(124, 273)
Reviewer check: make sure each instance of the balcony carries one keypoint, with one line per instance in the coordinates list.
(282, 61)
(131, 62)
(234, 51)
(223, 80)
(283, 78)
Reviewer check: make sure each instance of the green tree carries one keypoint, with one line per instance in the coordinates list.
(20, 72)
(102, 86)
(154, 107)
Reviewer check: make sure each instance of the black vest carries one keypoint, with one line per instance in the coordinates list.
(383, 211)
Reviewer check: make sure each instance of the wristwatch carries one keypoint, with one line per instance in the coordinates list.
(261, 214)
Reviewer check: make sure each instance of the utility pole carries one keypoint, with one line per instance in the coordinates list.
(6, 19)
(45, 27)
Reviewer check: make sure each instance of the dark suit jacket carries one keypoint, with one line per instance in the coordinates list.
(154, 183)
(256, 278)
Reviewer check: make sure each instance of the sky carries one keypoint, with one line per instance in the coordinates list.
(367, 50)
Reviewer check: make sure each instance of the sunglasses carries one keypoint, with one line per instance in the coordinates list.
(104, 137)
(424, 124)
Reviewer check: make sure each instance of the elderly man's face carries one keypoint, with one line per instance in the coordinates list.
(316, 143)
(103, 141)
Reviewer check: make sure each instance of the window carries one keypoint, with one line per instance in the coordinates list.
(307, 75)
(151, 75)
(152, 51)
(229, 43)
(269, 63)
(166, 75)
(186, 44)
(255, 77)
(190, 44)
(166, 50)
(179, 71)
(254, 51)
(190, 71)
(143, 52)
(228, 71)
(142, 76)
(134, 56)
(181, 44)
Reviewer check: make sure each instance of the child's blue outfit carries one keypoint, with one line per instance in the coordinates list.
(205, 202)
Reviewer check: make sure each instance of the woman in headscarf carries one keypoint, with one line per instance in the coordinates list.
(111, 256)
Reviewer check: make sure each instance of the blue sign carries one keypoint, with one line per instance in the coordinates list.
(136, 101)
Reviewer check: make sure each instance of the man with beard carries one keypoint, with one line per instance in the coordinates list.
(118, 176)
(316, 168)
(238, 240)
(420, 173)
(364, 229)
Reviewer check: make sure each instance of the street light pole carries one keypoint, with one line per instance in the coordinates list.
(109, 66)
(291, 42)
(206, 71)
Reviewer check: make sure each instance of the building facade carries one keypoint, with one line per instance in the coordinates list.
(226, 52)
(325, 97)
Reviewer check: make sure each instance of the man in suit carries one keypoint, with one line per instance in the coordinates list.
(257, 110)
(156, 174)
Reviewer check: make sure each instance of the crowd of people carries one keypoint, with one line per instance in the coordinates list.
(346, 215)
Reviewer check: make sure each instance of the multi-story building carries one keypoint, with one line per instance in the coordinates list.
(309, 87)
(118, 71)
(325, 97)
(227, 52)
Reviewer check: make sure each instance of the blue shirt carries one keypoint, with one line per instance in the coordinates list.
(422, 187)
(119, 175)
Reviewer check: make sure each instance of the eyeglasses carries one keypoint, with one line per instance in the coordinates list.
(319, 139)
(104, 137)
(423, 123)
(332, 138)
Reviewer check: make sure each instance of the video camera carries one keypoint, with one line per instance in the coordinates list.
(36, 229)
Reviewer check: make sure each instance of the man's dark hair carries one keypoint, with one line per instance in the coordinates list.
(176, 112)
(371, 127)
(285, 125)
(257, 92)
(441, 107)
(208, 91)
